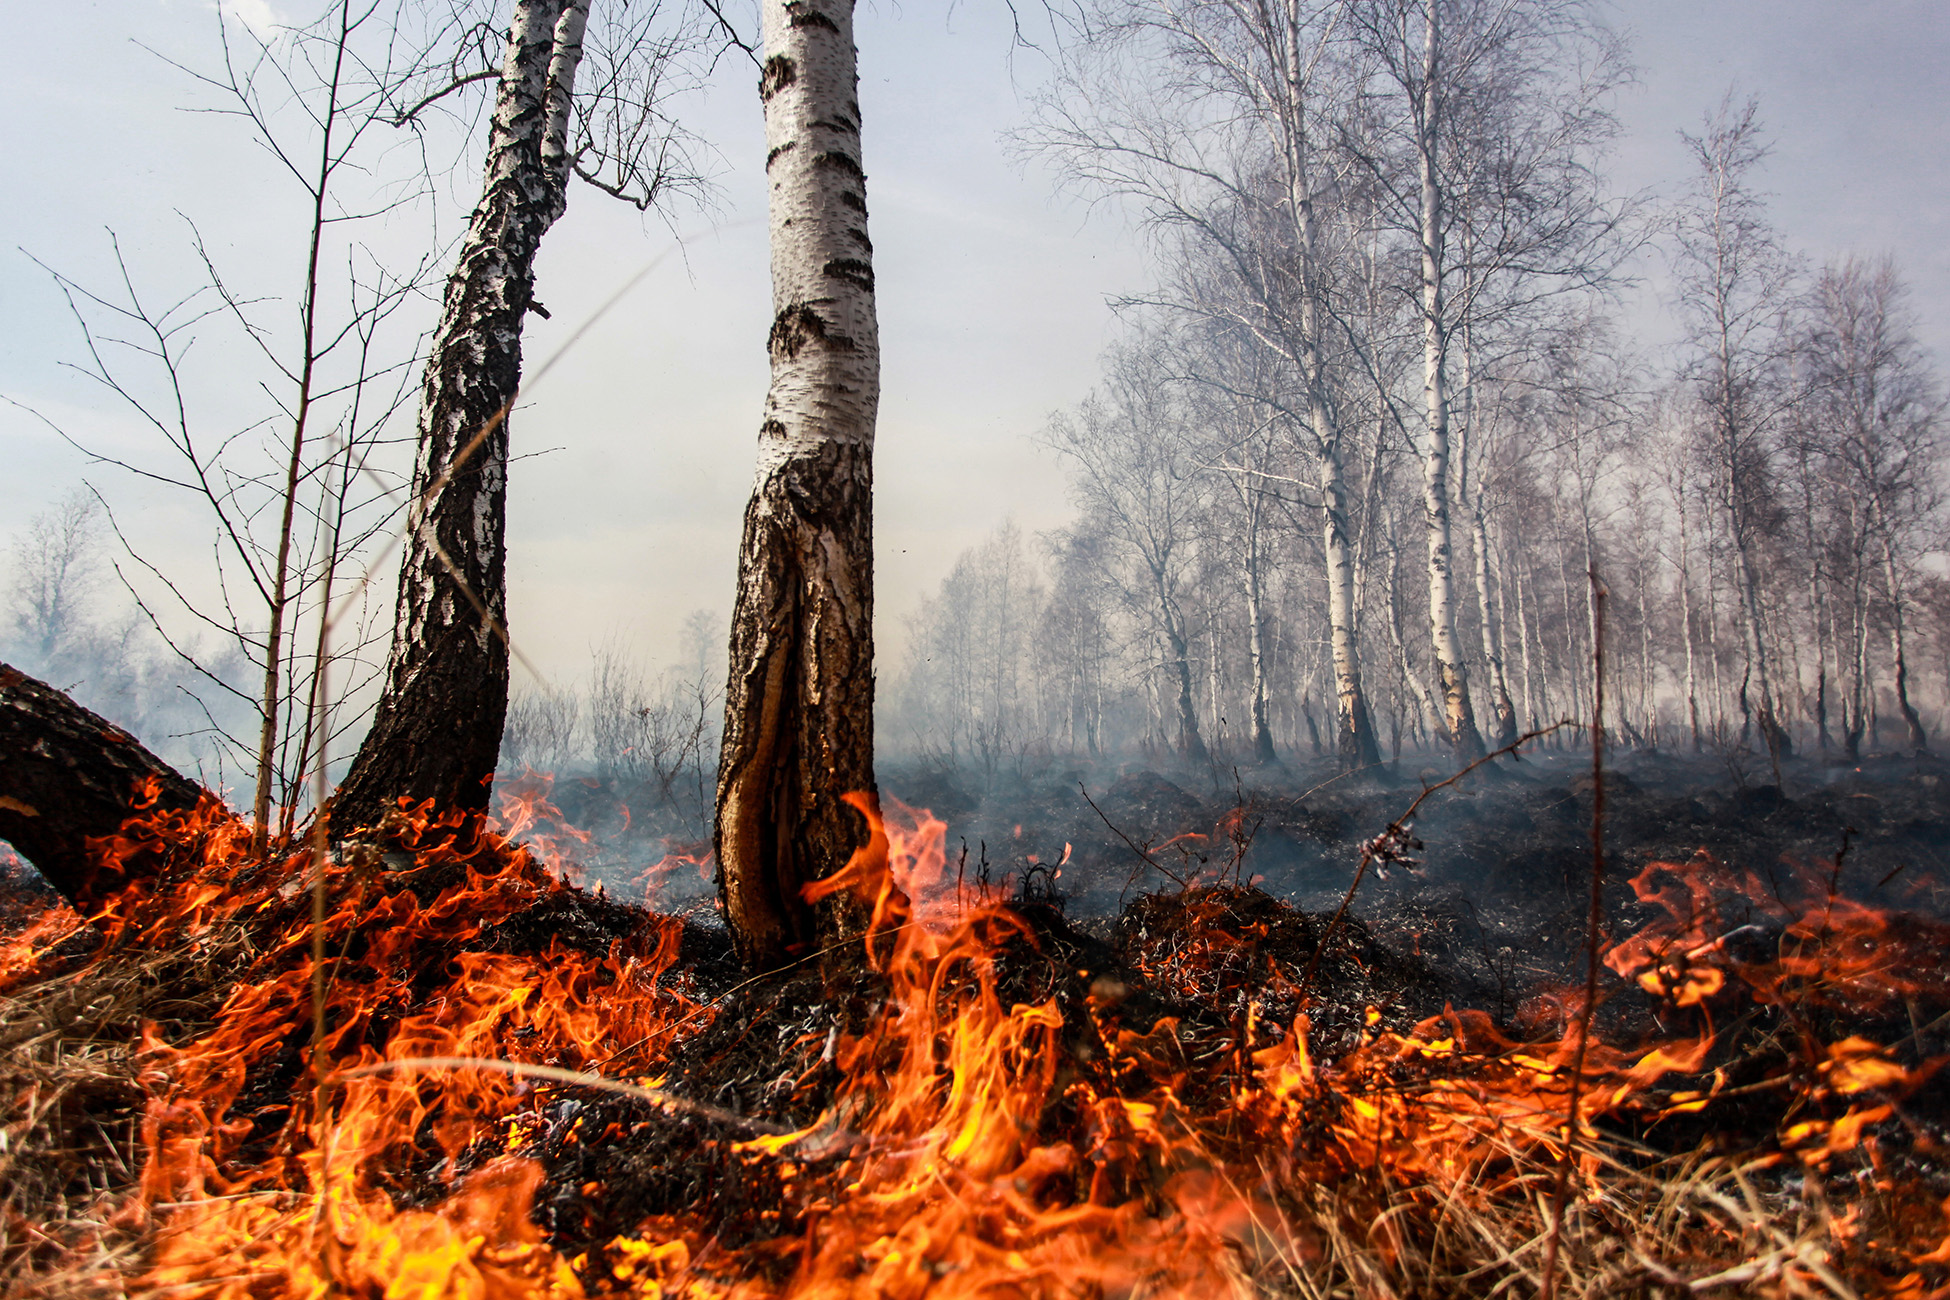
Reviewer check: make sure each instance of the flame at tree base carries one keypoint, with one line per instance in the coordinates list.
(523, 1091)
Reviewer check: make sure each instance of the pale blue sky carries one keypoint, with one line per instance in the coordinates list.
(992, 291)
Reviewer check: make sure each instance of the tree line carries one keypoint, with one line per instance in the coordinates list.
(1379, 432)
(1371, 440)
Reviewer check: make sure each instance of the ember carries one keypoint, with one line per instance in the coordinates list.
(526, 1090)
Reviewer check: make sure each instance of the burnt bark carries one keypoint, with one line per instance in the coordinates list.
(67, 776)
(437, 730)
(799, 695)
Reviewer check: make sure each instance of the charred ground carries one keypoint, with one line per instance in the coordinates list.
(1176, 928)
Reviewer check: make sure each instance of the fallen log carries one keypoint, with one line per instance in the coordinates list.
(67, 775)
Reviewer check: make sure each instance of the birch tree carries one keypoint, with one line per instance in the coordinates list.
(437, 729)
(799, 695)
(1210, 118)
(1489, 168)
(1872, 392)
(1734, 286)
(1136, 484)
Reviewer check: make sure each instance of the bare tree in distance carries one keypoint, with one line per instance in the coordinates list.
(1137, 482)
(1879, 413)
(1486, 161)
(1210, 119)
(1735, 287)
(55, 572)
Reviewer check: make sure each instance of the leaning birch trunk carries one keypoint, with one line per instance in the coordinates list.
(70, 780)
(799, 696)
(1458, 716)
(437, 731)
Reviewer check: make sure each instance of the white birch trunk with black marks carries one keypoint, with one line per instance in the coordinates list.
(1355, 745)
(437, 731)
(1488, 624)
(1918, 739)
(1459, 718)
(799, 696)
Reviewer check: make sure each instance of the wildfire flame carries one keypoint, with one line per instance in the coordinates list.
(976, 1140)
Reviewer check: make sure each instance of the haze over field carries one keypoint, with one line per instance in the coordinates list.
(996, 283)
(993, 289)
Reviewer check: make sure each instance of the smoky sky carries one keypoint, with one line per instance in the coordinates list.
(636, 450)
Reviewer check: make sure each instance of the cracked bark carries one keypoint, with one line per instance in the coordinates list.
(799, 694)
(437, 731)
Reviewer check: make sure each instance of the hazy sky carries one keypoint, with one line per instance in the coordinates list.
(992, 289)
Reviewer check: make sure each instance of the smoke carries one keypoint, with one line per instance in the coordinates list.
(68, 620)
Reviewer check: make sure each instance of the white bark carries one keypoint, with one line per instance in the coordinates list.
(437, 730)
(799, 696)
(1458, 716)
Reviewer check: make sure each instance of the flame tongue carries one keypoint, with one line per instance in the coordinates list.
(996, 1106)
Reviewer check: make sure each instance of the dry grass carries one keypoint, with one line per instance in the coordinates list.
(71, 1104)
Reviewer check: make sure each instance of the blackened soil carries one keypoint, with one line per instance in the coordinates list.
(1494, 897)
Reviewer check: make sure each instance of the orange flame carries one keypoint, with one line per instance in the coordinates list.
(977, 1143)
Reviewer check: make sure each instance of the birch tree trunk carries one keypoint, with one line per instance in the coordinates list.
(1919, 741)
(437, 731)
(1458, 716)
(1489, 624)
(1354, 735)
(1686, 621)
(1533, 707)
(799, 696)
(69, 779)
(1171, 621)
(1815, 620)
(1263, 752)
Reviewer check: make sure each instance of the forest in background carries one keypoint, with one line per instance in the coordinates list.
(1363, 442)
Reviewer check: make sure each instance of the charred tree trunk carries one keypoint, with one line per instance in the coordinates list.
(68, 776)
(799, 696)
(437, 731)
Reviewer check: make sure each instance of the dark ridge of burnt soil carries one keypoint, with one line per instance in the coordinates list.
(1497, 897)
(1224, 965)
(1490, 916)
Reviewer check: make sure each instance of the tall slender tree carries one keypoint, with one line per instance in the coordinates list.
(1734, 286)
(799, 697)
(1211, 118)
(1874, 397)
(437, 731)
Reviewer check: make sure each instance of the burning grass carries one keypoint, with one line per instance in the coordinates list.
(526, 1090)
